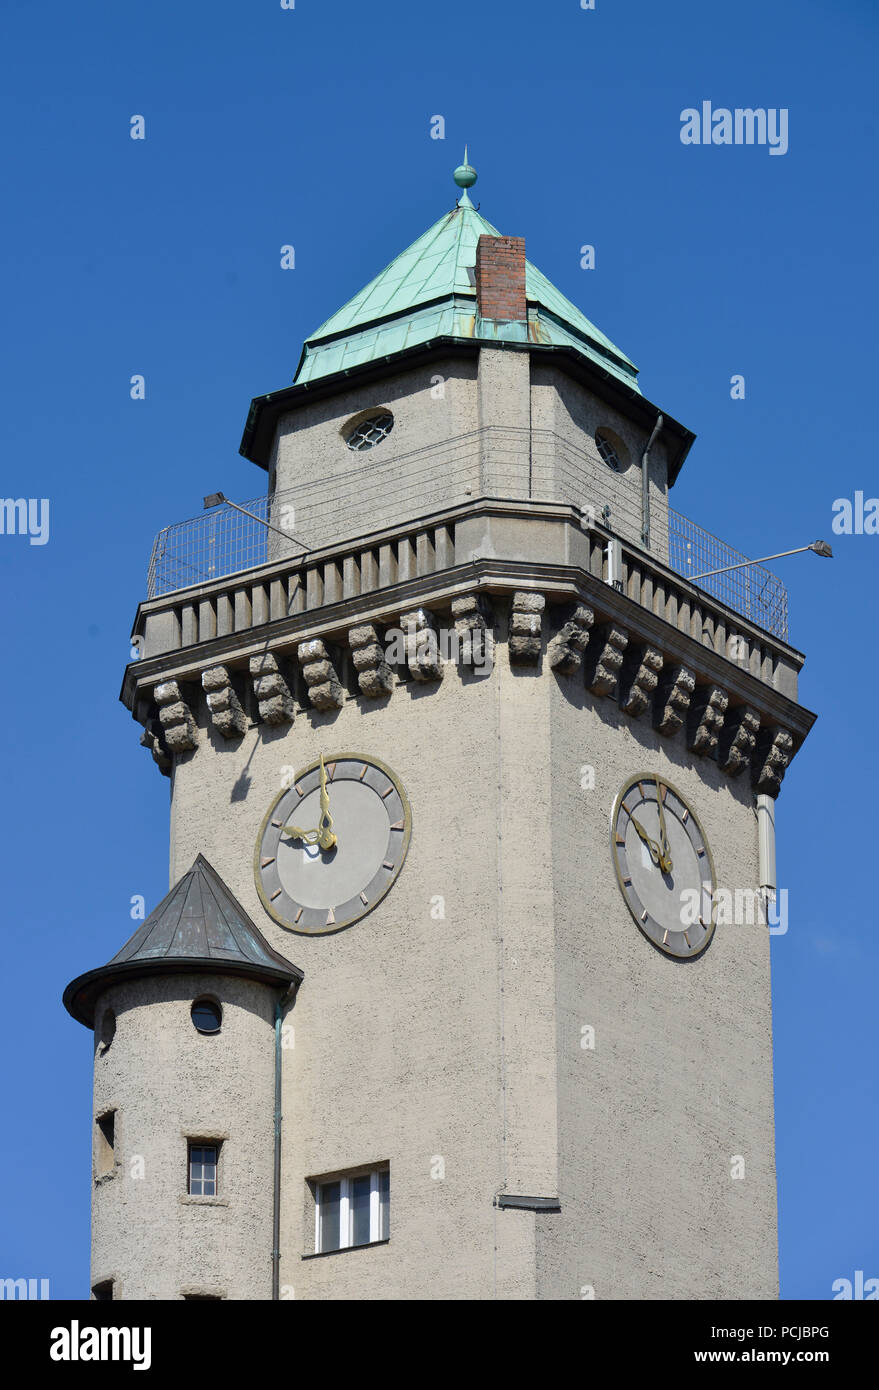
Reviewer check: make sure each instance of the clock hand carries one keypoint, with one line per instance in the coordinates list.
(326, 838)
(308, 837)
(323, 836)
(665, 858)
(653, 847)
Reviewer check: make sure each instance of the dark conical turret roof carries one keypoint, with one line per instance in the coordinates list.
(198, 927)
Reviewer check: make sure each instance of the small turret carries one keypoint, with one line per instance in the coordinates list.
(184, 1020)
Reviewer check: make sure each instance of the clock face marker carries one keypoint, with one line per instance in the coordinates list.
(687, 939)
(276, 824)
(701, 851)
(388, 864)
(264, 863)
(331, 771)
(386, 794)
(364, 899)
(331, 918)
(665, 937)
(277, 893)
(627, 882)
(641, 790)
(644, 915)
(685, 817)
(298, 915)
(399, 825)
(363, 771)
(299, 790)
(621, 839)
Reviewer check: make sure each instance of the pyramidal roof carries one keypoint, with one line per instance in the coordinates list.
(429, 291)
(198, 927)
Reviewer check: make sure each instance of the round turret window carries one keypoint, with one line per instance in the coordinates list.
(369, 430)
(207, 1016)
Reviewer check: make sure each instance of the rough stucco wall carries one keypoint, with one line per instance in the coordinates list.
(430, 456)
(680, 1079)
(505, 422)
(166, 1081)
(573, 414)
(484, 432)
(419, 1039)
(396, 1026)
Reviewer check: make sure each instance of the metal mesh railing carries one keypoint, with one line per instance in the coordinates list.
(754, 592)
(223, 542)
(207, 547)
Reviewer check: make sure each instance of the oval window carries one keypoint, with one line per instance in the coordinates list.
(370, 430)
(207, 1016)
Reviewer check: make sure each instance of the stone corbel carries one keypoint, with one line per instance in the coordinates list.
(227, 716)
(276, 704)
(606, 659)
(176, 718)
(374, 675)
(673, 695)
(705, 719)
(473, 624)
(565, 651)
(153, 739)
(325, 690)
(526, 627)
(775, 748)
(421, 645)
(639, 678)
(737, 739)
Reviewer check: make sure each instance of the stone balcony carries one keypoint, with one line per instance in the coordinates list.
(309, 631)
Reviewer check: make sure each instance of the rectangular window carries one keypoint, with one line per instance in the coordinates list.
(203, 1170)
(352, 1210)
(105, 1144)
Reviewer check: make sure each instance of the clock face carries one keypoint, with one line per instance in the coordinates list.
(332, 844)
(664, 866)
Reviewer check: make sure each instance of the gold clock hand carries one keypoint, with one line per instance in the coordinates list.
(308, 837)
(653, 847)
(323, 835)
(665, 858)
(326, 838)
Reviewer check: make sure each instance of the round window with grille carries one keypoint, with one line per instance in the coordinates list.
(369, 431)
(612, 450)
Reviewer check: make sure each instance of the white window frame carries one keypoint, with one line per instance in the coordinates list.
(345, 1212)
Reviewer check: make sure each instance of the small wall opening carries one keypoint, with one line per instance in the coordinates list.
(105, 1144)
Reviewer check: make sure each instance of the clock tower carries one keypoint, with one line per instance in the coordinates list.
(462, 987)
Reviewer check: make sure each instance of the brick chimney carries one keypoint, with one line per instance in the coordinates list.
(500, 277)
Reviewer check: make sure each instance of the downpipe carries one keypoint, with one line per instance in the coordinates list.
(645, 484)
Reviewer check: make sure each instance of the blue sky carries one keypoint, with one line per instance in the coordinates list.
(311, 126)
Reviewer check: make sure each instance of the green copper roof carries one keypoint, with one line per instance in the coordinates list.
(430, 291)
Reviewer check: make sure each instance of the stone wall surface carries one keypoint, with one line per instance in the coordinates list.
(452, 1042)
(679, 1082)
(167, 1083)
